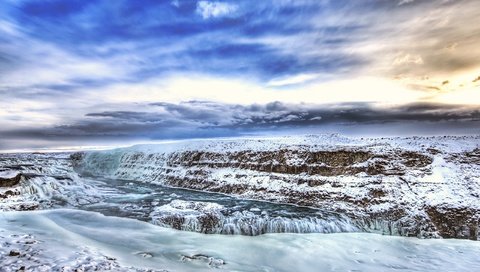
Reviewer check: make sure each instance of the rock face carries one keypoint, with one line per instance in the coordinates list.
(285, 161)
(419, 186)
(454, 222)
(9, 182)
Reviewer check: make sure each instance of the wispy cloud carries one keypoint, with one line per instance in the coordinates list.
(211, 9)
(403, 2)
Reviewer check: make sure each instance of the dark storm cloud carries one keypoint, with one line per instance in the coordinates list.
(129, 115)
(209, 119)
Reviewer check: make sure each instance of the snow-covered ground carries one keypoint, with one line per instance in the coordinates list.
(416, 186)
(72, 240)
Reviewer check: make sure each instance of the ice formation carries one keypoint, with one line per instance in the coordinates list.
(72, 239)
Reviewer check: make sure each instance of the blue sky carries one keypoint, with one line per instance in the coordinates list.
(94, 72)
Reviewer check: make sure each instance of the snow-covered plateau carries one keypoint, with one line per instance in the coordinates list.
(193, 205)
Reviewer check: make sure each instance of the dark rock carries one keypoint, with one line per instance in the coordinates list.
(8, 193)
(27, 207)
(376, 193)
(209, 222)
(175, 221)
(415, 160)
(9, 182)
(14, 253)
(453, 222)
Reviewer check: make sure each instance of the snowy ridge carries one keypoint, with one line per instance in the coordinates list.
(413, 186)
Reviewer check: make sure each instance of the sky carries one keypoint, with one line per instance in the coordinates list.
(102, 72)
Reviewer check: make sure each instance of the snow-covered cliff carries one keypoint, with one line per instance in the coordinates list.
(417, 186)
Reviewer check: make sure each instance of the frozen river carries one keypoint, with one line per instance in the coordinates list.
(66, 238)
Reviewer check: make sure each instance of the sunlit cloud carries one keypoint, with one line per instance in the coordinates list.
(292, 80)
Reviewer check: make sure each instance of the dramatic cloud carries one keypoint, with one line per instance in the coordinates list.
(91, 69)
(197, 119)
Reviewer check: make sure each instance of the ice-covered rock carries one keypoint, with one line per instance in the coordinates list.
(9, 182)
(42, 181)
(206, 217)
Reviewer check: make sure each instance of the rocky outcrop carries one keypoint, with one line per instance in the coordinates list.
(455, 222)
(9, 182)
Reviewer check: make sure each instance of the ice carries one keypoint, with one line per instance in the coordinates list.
(209, 217)
(47, 192)
(72, 239)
